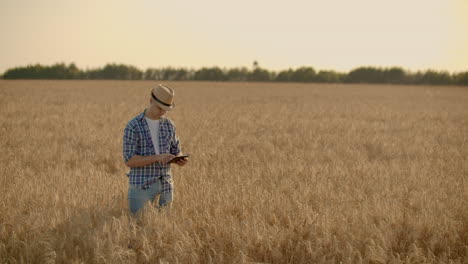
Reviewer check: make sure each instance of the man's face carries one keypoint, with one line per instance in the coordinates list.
(156, 109)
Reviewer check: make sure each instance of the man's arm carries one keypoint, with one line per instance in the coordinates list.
(175, 147)
(140, 161)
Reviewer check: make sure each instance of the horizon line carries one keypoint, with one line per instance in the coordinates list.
(241, 67)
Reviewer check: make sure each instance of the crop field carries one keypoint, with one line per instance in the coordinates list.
(279, 173)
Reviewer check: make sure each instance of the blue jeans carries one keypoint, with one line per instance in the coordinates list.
(137, 197)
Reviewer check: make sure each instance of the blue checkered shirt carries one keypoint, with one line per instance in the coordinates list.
(137, 141)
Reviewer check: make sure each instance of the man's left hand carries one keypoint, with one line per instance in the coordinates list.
(182, 162)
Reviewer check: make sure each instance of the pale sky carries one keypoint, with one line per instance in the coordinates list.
(325, 34)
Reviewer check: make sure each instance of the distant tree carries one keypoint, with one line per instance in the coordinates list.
(169, 73)
(56, 71)
(303, 74)
(174, 74)
(285, 76)
(461, 78)
(329, 77)
(436, 77)
(91, 74)
(119, 72)
(73, 72)
(413, 77)
(21, 72)
(210, 74)
(394, 75)
(260, 75)
(184, 74)
(365, 75)
(237, 74)
(151, 74)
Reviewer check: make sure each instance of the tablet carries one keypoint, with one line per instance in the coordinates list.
(179, 158)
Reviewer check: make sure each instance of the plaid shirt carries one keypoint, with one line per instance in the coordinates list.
(137, 141)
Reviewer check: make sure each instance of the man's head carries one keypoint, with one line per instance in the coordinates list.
(161, 101)
(163, 96)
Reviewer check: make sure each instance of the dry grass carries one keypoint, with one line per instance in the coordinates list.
(281, 173)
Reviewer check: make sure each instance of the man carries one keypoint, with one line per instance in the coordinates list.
(149, 143)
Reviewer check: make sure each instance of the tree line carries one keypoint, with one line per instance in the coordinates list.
(392, 75)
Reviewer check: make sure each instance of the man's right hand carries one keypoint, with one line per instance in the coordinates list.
(165, 158)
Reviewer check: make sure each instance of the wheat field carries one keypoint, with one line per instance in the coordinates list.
(280, 173)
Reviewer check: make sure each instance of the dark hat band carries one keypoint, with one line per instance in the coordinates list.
(159, 101)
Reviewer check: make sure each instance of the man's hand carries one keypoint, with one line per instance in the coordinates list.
(182, 162)
(165, 158)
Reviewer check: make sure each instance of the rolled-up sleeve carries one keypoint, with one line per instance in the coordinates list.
(175, 146)
(129, 143)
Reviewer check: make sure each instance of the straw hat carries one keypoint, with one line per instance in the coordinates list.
(164, 97)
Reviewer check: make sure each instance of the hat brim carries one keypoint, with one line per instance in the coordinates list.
(165, 107)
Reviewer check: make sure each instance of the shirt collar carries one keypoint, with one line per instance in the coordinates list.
(142, 116)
